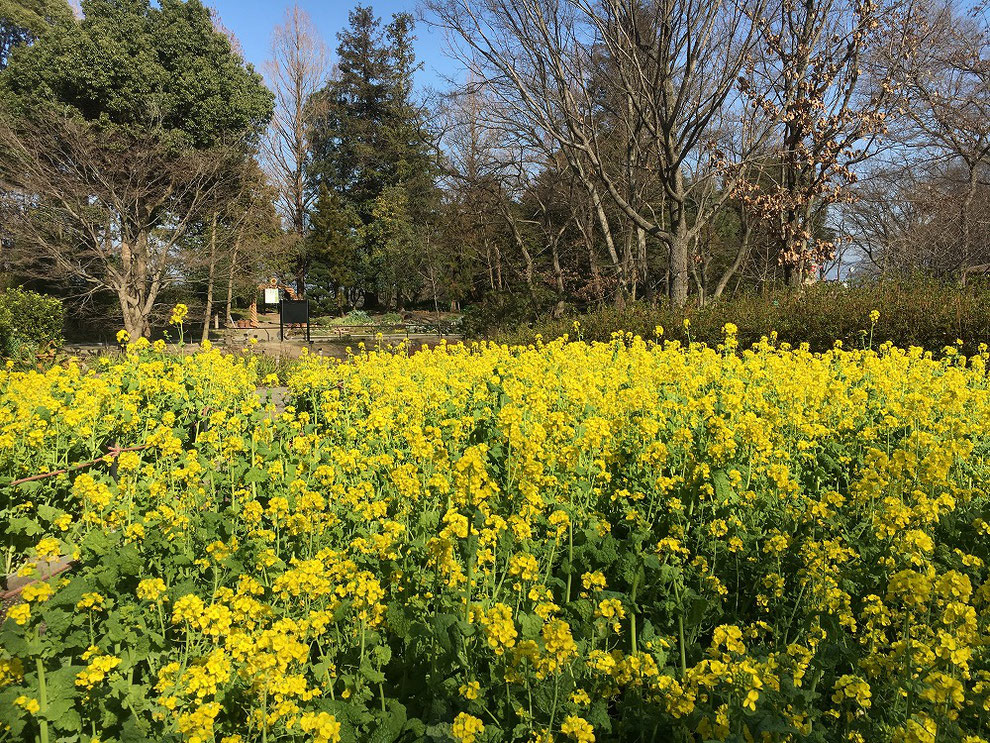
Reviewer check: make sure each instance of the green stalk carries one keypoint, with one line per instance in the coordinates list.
(632, 613)
(570, 559)
(43, 692)
(470, 571)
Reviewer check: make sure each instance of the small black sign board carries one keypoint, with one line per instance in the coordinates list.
(293, 312)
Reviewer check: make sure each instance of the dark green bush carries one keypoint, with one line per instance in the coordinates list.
(29, 321)
(928, 315)
(507, 310)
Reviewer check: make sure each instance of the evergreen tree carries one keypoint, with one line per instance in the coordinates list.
(332, 251)
(135, 68)
(22, 21)
(371, 150)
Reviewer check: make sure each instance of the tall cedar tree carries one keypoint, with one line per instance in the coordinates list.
(370, 148)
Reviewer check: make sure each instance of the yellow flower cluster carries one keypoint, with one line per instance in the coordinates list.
(635, 540)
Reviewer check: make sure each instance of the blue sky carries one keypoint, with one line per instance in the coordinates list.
(252, 22)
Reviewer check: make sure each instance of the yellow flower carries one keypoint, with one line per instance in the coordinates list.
(20, 613)
(29, 704)
(179, 313)
(48, 547)
(323, 726)
(612, 611)
(578, 729)
(581, 697)
(874, 316)
(524, 566)
(90, 602)
(123, 337)
(151, 589)
(593, 581)
(37, 592)
(97, 670)
(854, 688)
(467, 728)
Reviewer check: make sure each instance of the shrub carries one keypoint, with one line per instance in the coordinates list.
(927, 315)
(29, 320)
(508, 309)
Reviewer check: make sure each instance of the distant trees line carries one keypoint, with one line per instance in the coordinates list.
(593, 152)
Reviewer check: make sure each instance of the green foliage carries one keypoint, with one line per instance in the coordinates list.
(22, 21)
(29, 320)
(331, 251)
(271, 365)
(360, 317)
(138, 68)
(392, 239)
(370, 149)
(510, 312)
(923, 314)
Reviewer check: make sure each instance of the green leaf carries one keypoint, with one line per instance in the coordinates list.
(720, 482)
(29, 527)
(391, 725)
(62, 695)
(530, 626)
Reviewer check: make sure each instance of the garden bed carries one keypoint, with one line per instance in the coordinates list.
(588, 542)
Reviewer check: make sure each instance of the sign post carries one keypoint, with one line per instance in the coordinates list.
(293, 312)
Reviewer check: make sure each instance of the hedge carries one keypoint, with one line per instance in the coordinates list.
(931, 316)
(29, 320)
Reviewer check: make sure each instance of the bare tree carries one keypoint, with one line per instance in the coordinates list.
(924, 205)
(473, 161)
(946, 127)
(659, 70)
(809, 73)
(298, 68)
(242, 219)
(104, 212)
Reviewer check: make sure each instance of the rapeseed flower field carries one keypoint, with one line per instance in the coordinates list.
(624, 541)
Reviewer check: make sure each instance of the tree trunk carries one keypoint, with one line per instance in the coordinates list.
(138, 291)
(300, 279)
(135, 323)
(491, 266)
(642, 265)
(230, 283)
(210, 279)
(606, 228)
(965, 216)
(558, 272)
(737, 263)
(679, 249)
(596, 275)
(680, 240)
(527, 257)
(498, 267)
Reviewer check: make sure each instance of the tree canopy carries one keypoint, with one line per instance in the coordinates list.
(122, 131)
(370, 147)
(22, 21)
(136, 68)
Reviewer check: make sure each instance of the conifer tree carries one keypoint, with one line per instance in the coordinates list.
(370, 149)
